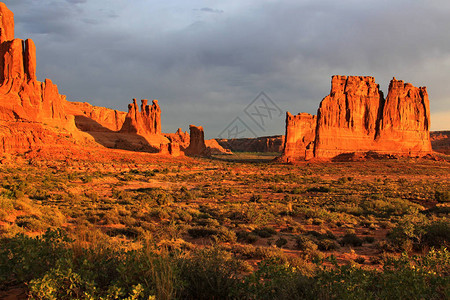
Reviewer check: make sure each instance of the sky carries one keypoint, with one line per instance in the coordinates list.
(235, 67)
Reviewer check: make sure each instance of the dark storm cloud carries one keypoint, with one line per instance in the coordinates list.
(206, 68)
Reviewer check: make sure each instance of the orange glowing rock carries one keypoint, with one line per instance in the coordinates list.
(347, 118)
(300, 135)
(355, 118)
(197, 146)
(144, 122)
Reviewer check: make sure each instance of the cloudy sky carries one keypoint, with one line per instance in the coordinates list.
(207, 61)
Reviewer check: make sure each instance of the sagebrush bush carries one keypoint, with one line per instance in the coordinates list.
(352, 240)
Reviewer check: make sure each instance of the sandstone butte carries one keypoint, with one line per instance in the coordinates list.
(356, 118)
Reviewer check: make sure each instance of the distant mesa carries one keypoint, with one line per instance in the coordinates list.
(356, 118)
(440, 141)
(259, 144)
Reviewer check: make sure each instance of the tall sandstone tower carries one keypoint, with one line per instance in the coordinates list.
(22, 97)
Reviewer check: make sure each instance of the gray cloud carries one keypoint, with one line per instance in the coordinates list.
(211, 10)
(76, 1)
(206, 68)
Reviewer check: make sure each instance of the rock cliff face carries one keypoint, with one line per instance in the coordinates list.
(144, 122)
(95, 118)
(197, 146)
(6, 23)
(405, 121)
(172, 149)
(355, 118)
(23, 99)
(300, 135)
(347, 118)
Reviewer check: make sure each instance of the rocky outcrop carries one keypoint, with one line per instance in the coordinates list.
(215, 148)
(6, 23)
(347, 118)
(300, 136)
(259, 144)
(355, 118)
(94, 118)
(172, 149)
(197, 146)
(144, 122)
(180, 137)
(405, 121)
(22, 97)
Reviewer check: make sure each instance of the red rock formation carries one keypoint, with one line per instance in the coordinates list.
(355, 118)
(22, 97)
(405, 122)
(347, 118)
(30, 59)
(164, 149)
(215, 148)
(180, 137)
(197, 146)
(144, 122)
(172, 149)
(6, 23)
(300, 136)
(95, 118)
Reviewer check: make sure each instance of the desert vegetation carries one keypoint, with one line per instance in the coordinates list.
(220, 228)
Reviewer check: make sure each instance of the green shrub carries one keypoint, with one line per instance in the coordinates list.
(210, 274)
(225, 235)
(280, 242)
(31, 223)
(407, 235)
(276, 279)
(352, 240)
(442, 197)
(327, 245)
(247, 237)
(306, 244)
(437, 234)
(265, 232)
(199, 232)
